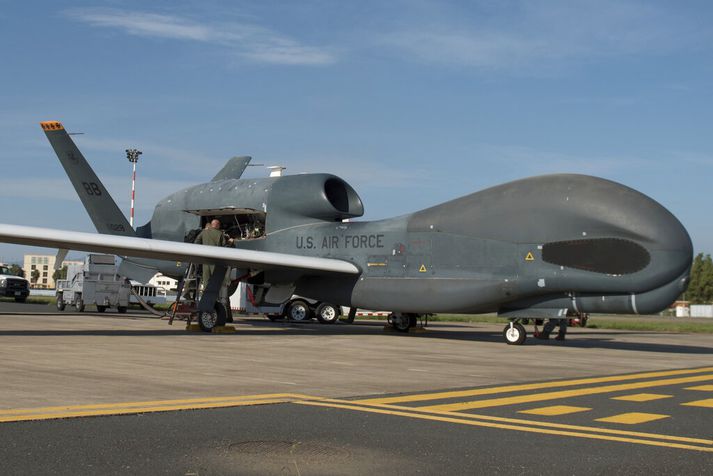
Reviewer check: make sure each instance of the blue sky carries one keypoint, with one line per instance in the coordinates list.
(412, 102)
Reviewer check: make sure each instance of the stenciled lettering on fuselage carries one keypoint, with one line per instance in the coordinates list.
(332, 242)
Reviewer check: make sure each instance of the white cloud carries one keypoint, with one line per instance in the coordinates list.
(249, 41)
(178, 159)
(149, 190)
(528, 161)
(535, 35)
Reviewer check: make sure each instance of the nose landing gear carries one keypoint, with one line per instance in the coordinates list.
(514, 333)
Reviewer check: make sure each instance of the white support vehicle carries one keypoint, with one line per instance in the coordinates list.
(94, 283)
(297, 308)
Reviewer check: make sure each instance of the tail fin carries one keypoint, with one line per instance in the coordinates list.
(102, 209)
(233, 169)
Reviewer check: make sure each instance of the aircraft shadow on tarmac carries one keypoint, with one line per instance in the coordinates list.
(598, 340)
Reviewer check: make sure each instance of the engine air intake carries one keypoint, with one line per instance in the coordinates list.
(599, 255)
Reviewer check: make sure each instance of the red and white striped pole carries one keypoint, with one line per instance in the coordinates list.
(133, 156)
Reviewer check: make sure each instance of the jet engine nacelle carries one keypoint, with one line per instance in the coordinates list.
(317, 196)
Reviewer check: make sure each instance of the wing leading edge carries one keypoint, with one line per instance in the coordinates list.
(169, 250)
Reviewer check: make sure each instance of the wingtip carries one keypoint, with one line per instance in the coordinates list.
(51, 126)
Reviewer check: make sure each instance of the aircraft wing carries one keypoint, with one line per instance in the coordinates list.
(169, 250)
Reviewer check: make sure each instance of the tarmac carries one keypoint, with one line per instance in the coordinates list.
(106, 393)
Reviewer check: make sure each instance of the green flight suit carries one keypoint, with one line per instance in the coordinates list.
(210, 237)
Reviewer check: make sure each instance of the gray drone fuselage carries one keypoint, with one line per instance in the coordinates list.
(572, 242)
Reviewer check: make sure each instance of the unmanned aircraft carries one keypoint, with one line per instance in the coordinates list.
(542, 247)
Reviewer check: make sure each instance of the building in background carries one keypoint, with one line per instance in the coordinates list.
(169, 284)
(44, 265)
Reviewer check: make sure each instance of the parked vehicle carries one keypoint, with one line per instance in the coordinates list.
(13, 286)
(97, 283)
(297, 308)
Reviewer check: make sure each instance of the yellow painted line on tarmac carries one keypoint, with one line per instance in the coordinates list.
(555, 410)
(125, 408)
(633, 418)
(642, 397)
(702, 388)
(128, 411)
(539, 397)
(504, 426)
(519, 421)
(707, 403)
(530, 386)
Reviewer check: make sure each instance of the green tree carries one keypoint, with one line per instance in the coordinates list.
(700, 289)
(60, 274)
(17, 271)
(35, 275)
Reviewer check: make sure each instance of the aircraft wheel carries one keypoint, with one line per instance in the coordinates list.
(121, 309)
(327, 313)
(101, 308)
(299, 311)
(515, 334)
(215, 318)
(402, 322)
(79, 305)
(351, 316)
(60, 302)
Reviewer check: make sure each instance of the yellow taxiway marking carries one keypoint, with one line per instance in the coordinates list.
(702, 388)
(563, 426)
(641, 397)
(539, 397)
(124, 408)
(633, 418)
(462, 419)
(530, 386)
(555, 410)
(707, 403)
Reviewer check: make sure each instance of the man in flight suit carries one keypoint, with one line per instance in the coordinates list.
(211, 235)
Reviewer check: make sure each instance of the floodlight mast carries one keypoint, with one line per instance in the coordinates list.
(133, 156)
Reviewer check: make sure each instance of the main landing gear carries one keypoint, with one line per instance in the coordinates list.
(402, 322)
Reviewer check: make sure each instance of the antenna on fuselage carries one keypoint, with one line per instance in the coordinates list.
(276, 170)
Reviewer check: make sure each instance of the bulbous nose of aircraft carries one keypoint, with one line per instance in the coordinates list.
(661, 234)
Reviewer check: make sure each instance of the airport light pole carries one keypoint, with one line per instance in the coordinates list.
(133, 156)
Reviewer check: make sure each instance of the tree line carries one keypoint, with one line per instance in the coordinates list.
(700, 289)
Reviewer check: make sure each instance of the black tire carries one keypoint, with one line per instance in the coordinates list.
(351, 316)
(20, 298)
(299, 311)
(60, 302)
(327, 313)
(122, 309)
(101, 308)
(402, 322)
(210, 320)
(79, 305)
(514, 335)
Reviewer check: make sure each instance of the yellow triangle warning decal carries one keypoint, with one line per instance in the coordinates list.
(422, 269)
(529, 256)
